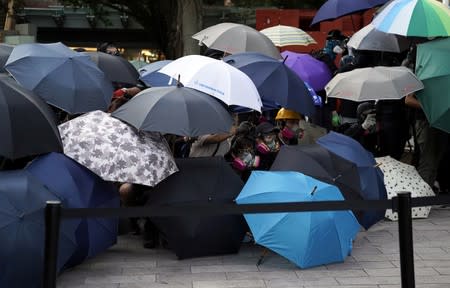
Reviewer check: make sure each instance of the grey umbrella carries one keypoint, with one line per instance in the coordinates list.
(27, 124)
(175, 110)
(234, 38)
(5, 51)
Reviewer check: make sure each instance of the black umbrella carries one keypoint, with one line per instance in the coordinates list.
(27, 125)
(200, 180)
(116, 68)
(320, 163)
(175, 110)
(5, 51)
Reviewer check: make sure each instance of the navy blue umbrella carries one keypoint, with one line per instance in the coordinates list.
(152, 78)
(276, 82)
(81, 188)
(22, 230)
(62, 77)
(333, 9)
(371, 177)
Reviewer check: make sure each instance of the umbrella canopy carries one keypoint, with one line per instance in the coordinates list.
(5, 51)
(310, 70)
(369, 38)
(27, 124)
(306, 238)
(64, 78)
(116, 68)
(80, 188)
(322, 164)
(370, 176)
(282, 35)
(115, 151)
(192, 113)
(374, 83)
(401, 177)
(276, 82)
(433, 68)
(216, 78)
(200, 181)
(22, 230)
(422, 18)
(235, 38)
(151, 77)
(333, 9)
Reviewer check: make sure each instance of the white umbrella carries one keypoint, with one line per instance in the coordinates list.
(401, 177)
(235, 38)
(369, 38)
(374, 83)
(115, 151)
(282, 35)
(216, 78)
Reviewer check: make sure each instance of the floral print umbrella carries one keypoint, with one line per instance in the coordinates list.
(401, 177)
(115, 151)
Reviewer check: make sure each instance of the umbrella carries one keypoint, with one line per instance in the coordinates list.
(333, 9)
(422, 18)
(433, 68)
(22, 230)
(322, 164)
(5, 51)
(306, 238)
(64, 78)
(200, 181)
(216, 78)
(115, 151)
(27, 125)
(234, 38)
(369, 38)
(151, 77)
(370, 176)
(401, 177)
(374, 83)
(192, 113)
(282, 35)
(116, 68)
(276, 82)
(80, 188)
(308, 68)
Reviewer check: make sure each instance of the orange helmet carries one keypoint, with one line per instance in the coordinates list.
(284, 114)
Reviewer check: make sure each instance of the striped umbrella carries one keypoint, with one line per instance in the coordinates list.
(421, 18)
(282, 35)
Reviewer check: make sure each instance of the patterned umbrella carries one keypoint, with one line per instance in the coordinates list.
(282, 35)
(401, 177)
(422, 18)
(115, 151)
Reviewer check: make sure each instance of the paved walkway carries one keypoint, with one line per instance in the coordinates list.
(374, 263)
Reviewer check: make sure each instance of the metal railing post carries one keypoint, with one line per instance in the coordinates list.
(52, 223)
(405, 234)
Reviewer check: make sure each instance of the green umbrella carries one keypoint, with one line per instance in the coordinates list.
(433, 68)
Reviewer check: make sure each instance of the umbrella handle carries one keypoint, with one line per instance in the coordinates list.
(261, 258)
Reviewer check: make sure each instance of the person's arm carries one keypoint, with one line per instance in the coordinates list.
(217, 138)
(411, 101)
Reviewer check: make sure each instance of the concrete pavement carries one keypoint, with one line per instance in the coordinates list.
(374, 263)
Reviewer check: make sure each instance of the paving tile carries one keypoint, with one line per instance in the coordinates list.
(287, 275)
(117, 279)
(224, 268)
(230, 284)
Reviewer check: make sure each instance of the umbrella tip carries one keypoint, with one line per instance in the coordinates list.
(285, 58)
(314, 190)
(178, 81)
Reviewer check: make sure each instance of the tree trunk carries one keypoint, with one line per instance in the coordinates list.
(192, 23)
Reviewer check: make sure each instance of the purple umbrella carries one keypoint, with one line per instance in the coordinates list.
(333, 9)
(310, 70)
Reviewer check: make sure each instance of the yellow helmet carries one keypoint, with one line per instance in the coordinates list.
(284, 114)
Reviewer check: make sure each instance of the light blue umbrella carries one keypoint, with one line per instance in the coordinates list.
(64, 78)
(306, 238)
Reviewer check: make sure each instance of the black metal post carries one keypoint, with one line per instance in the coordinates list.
(405, 234)
(52, 223)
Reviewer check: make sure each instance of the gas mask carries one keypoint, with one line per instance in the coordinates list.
(246, 161)
(290, 133)
(269, 144)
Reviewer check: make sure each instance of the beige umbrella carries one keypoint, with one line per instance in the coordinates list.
(282, 35)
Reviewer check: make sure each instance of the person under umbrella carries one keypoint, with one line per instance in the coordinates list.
(267, 144)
